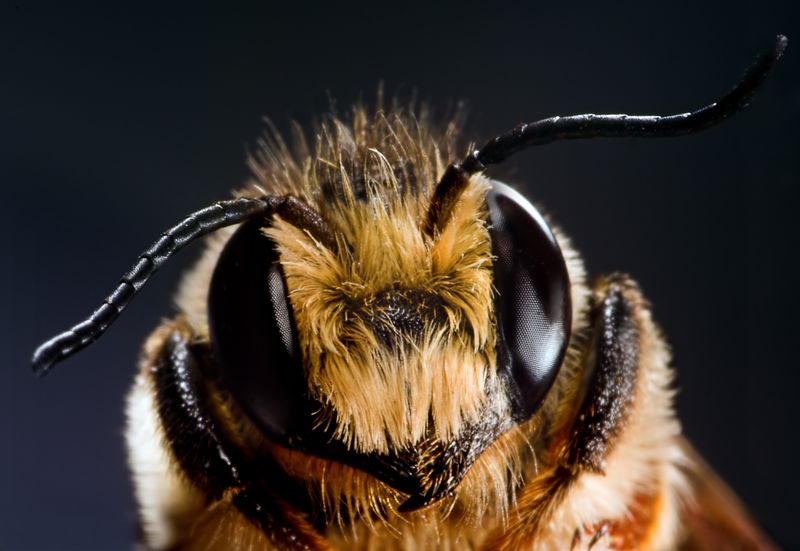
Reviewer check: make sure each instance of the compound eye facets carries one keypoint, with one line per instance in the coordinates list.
(532, 301)
(253, 333)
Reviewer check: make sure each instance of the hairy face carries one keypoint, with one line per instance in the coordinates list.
(389, 361)
(396, 330)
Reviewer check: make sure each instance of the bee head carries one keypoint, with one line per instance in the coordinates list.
(378, 339)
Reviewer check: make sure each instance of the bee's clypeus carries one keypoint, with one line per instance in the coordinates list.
(392, 350)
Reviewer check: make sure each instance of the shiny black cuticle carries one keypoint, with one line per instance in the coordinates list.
(532, 299)
(253, 333)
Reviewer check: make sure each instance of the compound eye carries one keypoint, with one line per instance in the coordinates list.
(253, 333)
(532, 300)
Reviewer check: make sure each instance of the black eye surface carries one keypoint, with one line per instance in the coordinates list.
(253, 333)
(532, 303)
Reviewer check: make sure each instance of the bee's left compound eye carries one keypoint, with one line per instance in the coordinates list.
(253, 332)
(532, 304)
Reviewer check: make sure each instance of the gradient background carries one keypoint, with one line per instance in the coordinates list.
(116, 122)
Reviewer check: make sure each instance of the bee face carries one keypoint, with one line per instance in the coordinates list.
(391, 343)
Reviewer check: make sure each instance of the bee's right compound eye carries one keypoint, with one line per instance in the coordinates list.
(253, 333)
(532, 302)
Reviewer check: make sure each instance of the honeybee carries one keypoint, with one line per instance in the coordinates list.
(383, 348)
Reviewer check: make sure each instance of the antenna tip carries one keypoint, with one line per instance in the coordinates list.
(42, 361)
(53, 351)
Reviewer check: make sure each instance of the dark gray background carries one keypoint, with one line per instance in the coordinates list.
(115, 122)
